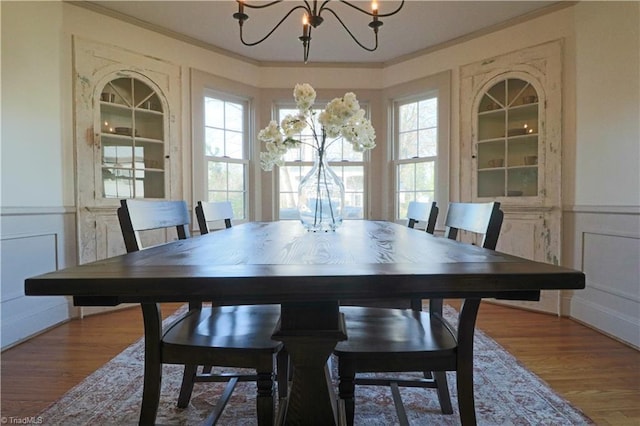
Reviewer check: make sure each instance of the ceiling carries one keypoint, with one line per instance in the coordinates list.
(419, 26)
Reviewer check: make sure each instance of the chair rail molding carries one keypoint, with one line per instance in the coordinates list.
(602, 209)
(36, 210)
(604, 242)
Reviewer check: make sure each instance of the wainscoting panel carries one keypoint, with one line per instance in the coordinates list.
(34, 241)
(606, 246)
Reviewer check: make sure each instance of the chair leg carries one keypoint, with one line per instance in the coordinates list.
(282, 366)
(346, 389)
(440, 378)
(466, 404)
(265, 403)
(152, 363)
(188, 379)
(464, 374)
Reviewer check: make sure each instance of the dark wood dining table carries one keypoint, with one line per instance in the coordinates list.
(308, 274)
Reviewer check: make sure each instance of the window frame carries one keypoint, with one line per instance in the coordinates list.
(245, 161)
(429, 87)
(203, 84)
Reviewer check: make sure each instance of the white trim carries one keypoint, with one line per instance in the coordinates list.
(604, 319)
(601, 209)
(36, 210)
(34, 322)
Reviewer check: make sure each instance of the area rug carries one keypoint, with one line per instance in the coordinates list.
(506, 393)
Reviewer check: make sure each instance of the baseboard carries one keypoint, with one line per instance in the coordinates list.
(18, 329)
(620, 327)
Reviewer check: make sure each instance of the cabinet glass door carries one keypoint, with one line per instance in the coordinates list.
(507, 150)
(132, 140)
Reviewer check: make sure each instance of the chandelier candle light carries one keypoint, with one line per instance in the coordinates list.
(321, 192)
(312, 18)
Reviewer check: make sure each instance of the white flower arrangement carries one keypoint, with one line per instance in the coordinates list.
(341, 117)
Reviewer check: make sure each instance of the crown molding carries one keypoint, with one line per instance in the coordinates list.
(291, 64)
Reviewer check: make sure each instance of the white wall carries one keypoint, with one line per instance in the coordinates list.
(607, 106)
(600, 101)
(38, 232)
(602, 225)
(32, 113)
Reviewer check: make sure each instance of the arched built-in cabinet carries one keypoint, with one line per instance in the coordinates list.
(511, 118)
(508, 149)
(127, 140)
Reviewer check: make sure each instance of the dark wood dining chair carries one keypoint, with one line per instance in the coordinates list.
(213, 211)
(418, 211)
(195, 338)
(208, 212)
(383, 340)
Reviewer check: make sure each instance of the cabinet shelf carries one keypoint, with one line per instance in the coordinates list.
(532, 167)
(116, 136)
(148, 140)
(137, 169)
(148, 111)
(122, 108)
(489, 112)
(113, 105)
(485, 169)
(530, 105)
(131, 138)
(498, 139)
(522, 137)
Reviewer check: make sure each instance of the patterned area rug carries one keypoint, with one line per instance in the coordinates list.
(506, 393)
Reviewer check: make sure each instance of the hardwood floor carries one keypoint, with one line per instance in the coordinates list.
(594, 372)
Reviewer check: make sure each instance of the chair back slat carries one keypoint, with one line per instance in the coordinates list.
(211, 212)
(422, 212)
(480, 218)
(146, 215)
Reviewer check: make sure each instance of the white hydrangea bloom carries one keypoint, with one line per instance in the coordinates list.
(341, 117)
(293, 125)
(271, 133)
(305, 96)
(359, 132)
(270, 159)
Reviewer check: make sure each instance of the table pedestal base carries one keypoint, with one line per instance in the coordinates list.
(311, 400)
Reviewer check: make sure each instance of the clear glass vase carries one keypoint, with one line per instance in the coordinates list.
(321, 197)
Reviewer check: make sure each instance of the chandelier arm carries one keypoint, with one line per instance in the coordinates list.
(259, 6)
(272, 30)
(323, 6)
(369, 49)
(366, 12)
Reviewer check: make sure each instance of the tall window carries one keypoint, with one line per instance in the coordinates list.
(416, 151)
(348, 164)
(225, 151)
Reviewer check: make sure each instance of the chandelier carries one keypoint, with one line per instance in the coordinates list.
(312, 18)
